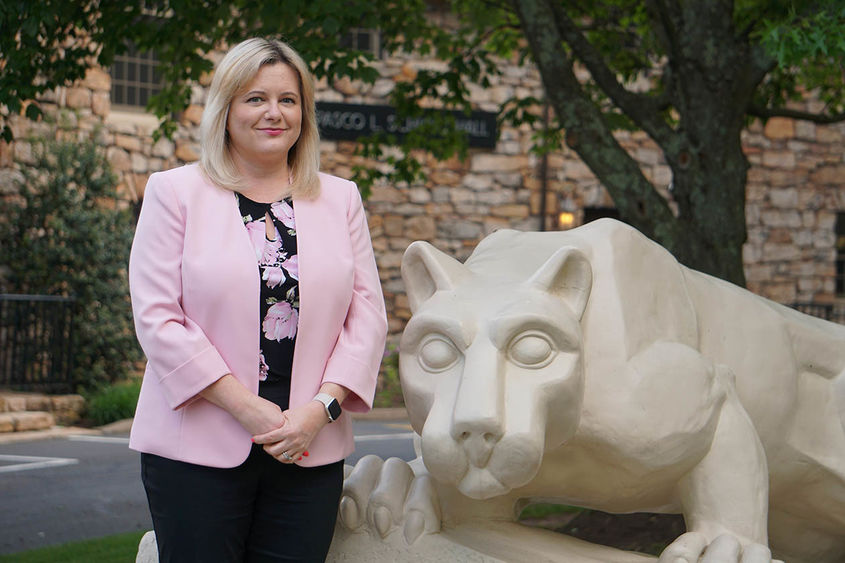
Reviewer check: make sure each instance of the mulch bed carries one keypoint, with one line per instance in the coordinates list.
(641, 532)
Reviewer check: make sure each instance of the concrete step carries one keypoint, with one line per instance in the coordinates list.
(26, 420)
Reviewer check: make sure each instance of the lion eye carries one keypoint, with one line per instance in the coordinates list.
(531, 350)
(437, 353)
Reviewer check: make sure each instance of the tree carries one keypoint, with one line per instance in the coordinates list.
(66, 234)
(690, 74)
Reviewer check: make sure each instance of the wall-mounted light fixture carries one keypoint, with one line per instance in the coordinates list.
(565, 220)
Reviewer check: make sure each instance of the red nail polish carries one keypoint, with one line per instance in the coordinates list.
(252, 440)
(299, 458)
(305, 454)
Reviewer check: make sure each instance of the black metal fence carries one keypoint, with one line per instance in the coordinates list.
(827, 311)
(36, 332)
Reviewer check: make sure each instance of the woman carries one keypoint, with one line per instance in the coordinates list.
(258, 305)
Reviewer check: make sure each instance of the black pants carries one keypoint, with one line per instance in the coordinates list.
(260, 511)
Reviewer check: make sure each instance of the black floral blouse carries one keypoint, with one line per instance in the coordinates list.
(279, 269)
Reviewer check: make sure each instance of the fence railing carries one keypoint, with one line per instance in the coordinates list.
(36, 332)
(827, 311)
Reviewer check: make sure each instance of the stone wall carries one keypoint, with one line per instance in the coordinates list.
(796, 182)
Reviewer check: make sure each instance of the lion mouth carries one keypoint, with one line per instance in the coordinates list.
(480, 484)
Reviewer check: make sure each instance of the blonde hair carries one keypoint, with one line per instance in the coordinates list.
(233, 73)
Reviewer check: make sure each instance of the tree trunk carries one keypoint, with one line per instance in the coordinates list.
(711, 76)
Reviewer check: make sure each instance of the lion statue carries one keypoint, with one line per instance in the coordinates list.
(590, 368)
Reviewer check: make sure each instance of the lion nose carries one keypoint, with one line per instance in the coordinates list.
(478, 442)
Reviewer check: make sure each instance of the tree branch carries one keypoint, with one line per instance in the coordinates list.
(643, 110)
(766, 113)
(587, 132)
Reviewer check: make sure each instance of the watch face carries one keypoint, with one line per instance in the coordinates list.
(334, 409)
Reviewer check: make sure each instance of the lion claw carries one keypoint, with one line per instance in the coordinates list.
(382, 521)
(414, 526)
(349, 513)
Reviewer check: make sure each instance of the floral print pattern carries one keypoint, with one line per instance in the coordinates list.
(280, 321)
(278, 267)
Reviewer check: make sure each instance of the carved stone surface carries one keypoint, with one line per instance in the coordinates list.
(589, 368)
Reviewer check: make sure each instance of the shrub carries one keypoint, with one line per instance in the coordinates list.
(389, 390)
(65, 232)
(112, 403)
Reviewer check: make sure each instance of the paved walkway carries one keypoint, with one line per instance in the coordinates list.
(123, 426)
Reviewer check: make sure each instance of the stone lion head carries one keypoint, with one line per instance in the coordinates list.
(491, 364)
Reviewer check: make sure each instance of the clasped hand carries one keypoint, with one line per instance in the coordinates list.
(288, 441)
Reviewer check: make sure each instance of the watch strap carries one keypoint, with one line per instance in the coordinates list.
(331, 405)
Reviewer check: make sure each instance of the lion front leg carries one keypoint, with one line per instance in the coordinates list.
(725, 496)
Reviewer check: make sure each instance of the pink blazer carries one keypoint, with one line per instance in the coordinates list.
(194, 284)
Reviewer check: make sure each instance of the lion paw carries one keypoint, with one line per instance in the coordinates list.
(693, 547)
(386, 495)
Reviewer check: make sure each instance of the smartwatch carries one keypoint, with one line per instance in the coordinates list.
(333, 409)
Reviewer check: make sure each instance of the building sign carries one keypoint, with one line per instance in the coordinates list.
(347, 122)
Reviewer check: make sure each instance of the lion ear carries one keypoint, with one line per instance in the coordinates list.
(568, 275)
(426, 270)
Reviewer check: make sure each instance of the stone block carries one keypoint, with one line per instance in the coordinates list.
(439, 209)
(486, 162)
(394, 225)
(419, 195)
(192, 115)
(386, 193)
(7, 423)
(778, 159)
(782, 292)
(163, 148)
(827, 135)
(119, 159)
(37, 402)
(78, 97)
(477, 182)
(779, 128)
(127, 142)
(828, 175)
(15, 403)
(25, 421)
(778, 218)
(186, 153)
(97, 79)
(445, 177)
(420, 228)
(101, 103)
(515, 211)
(67, 409)
(459, 229)
(382, 88)
(773, 252)
(461, 195)
(139, 163)
(785, 197)
(577, 170)
(509, 180)
(399, 243)
(805, 130)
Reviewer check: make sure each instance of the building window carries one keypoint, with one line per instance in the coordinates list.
(840, 254)
(362, 39)
(135, 77)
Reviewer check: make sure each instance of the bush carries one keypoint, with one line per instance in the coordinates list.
(113, 403)
(65, 232)
(389, 390)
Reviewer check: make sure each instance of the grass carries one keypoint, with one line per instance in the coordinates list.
(121, 548)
